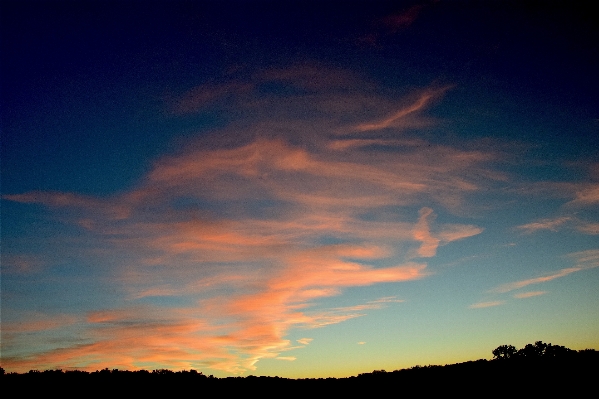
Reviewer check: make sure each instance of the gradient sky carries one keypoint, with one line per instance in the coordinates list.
(302, 189)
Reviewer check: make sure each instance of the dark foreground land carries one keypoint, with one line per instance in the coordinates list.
(536, 370)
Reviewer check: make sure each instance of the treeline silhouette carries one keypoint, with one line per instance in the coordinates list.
(536, 369)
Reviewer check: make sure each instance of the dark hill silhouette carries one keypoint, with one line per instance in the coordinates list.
(537, 369)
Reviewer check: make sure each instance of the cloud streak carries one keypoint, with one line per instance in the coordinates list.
(585, 260)
(545, 224)
(401, 118)
(251, 229)
(529, 294)
(481, 305)
(560, 223)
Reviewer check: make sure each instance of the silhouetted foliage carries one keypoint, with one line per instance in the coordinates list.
(562, 370)
(530, 351)
(504, 352)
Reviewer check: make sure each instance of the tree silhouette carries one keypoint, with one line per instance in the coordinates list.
(503, 352)
(533, 351)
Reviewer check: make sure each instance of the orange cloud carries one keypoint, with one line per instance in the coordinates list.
(38, 322)
(252, 228)
(133, 339)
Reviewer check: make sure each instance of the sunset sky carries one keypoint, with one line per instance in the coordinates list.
(301, 189)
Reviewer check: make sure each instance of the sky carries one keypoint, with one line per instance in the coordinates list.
(301, 189)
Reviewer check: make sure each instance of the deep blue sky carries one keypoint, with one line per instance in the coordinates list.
(78, 75)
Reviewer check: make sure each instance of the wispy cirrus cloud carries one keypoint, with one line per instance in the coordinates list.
(544, 224)
(559, 223)
(250, 228)
(584, 260)
(422, 234)
(586, 194)
(37, 321)
(132, 338)
(588, 228)
(304, 341)
(488, 304)
(401, 117)
(536, 280)
(430, 242)
(529, 294)
(22, 264)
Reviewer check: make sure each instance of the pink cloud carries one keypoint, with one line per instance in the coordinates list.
(54, 199)
(587, 195)
(399, 117)
(133, 339)
(431, 242)
(529, 294)
(561, 222)
(389, 299)
(545, 224)
(33, 322)
(240, 226)
(523, 283)
(454, 232)
(422, 234)
(579, 194)
(588, 228)
(489, 304)
(585, 260)
(345, 144)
